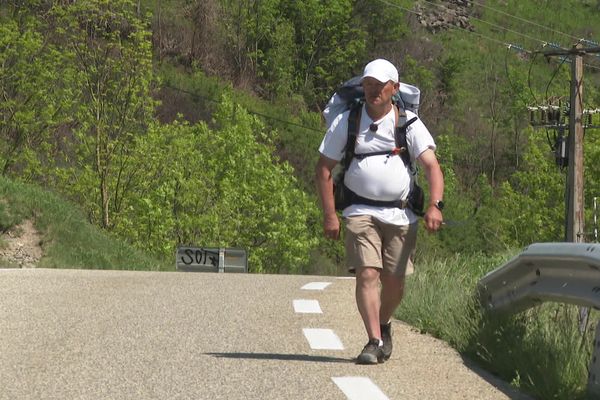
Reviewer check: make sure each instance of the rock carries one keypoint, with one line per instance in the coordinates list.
(22, 246)
(449, 14)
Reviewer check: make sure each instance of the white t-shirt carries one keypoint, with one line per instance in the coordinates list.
(377, 177)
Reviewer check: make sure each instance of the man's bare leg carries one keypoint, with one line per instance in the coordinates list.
(368, 300)
(392, 291)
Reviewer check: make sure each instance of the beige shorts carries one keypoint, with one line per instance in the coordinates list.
(372, 243)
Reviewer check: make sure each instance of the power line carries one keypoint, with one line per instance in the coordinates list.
(509, 46)
(563, 52)
(524, 20)
(490, 23)
(529, 77)
(554, 74)
(461, 28)
(544, 43)
(510, 82)
(400, 7)
(198, 96)
(591, 43)
(578, 39)
(503, 43)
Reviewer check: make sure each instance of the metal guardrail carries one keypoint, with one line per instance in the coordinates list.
(205, 259)
(561, 272)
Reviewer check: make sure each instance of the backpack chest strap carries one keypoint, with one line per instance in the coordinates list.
(401, 127)
(389, 153)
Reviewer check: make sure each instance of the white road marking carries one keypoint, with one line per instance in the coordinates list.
(359, 388)
(307, 307)
(316, 285)
(322, 339)
(346, 277)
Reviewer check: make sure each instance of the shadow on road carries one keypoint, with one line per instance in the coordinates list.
(281, 357)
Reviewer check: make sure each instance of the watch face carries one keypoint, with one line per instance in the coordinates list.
(440, 205)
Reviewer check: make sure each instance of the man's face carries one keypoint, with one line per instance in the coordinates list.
(378, 93)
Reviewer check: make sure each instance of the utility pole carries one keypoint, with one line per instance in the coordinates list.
(575, 215)
(574, 199)
(574, 207)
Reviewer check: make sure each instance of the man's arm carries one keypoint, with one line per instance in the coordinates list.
(324, 180)
(433, 216)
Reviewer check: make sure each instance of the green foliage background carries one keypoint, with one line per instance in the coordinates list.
(166, 137)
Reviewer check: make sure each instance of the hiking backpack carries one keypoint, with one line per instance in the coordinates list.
(351, 93)
(350, 96)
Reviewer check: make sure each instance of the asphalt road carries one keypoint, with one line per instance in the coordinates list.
(72, 334)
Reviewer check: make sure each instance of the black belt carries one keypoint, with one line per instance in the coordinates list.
(356, 199)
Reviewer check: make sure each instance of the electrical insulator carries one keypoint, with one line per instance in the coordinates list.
(554, 115)
(533, 115)
(544, 116)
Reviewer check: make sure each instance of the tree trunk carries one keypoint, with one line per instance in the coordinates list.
(105, 198)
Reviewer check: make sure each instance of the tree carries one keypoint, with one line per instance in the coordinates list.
(32, 93)
(111, 78)
(330, 46)
(206, 42)
(278, 68)
(218, 188)
(384, 25)
(532, 203)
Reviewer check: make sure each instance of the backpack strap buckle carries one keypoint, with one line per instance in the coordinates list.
(397, 151)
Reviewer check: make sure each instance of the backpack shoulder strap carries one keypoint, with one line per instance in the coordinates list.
(353, 127)
(400, 135)
(400, 115)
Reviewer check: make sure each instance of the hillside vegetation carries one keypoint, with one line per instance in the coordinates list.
(475, 91)
(146, 113)
(180, 122)
(64, 234)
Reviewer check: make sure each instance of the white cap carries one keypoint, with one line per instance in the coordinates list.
(382, 70)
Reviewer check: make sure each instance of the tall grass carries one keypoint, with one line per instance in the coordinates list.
(67, 239)
(540, 351)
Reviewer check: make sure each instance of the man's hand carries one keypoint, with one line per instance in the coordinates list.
(331, 223)
(331, 226)
(433, 216)
(433, 219)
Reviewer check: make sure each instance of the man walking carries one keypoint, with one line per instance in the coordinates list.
(379, 239)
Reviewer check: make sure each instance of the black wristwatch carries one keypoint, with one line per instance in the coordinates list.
(439, 205)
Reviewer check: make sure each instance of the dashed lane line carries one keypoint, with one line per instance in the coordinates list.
(322, 339)
(359, 388)
(316, 286)
(354, 387)
(307, 306)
